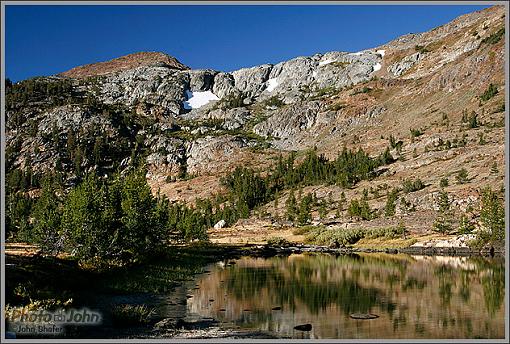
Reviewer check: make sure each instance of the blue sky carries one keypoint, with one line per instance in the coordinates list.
(45, 40)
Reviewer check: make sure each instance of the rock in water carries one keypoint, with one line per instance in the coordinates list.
(364, 316)
(305, 327)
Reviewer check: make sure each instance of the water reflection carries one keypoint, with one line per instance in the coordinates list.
(414, 296)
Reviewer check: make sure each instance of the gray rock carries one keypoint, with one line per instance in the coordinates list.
(220, 224)
(251, 81)
(153, 85)
(206, 152)
(224, 84)
(202, 79)
(399, 68)
(289, 120)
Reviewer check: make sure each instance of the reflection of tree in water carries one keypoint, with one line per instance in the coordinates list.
(444, 274)
(493, 283)
(492, 272)
(464, 292)
(306, 282)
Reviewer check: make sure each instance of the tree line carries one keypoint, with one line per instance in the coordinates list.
(116, 219)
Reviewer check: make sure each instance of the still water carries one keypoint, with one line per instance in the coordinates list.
(414, 296)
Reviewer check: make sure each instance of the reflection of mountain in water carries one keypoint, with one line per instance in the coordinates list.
(414, 297)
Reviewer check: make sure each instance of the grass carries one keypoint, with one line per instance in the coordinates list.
(337, 106)
(340, 64)
(303, 230)
(131, 315)
(361, 90)
(322, 92)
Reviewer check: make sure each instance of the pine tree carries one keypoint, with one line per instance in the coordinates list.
(443, 222)
(305, 207)
(465, 226)
(322, 210)
(391, 198)
(47, 217)
(342, 201)
(492, 217)
(291, 206)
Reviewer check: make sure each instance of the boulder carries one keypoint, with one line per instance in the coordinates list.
(220, 224)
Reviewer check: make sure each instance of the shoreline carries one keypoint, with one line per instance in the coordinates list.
(268, 251)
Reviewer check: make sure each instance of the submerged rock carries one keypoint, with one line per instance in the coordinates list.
(305, 327)
(363, 316)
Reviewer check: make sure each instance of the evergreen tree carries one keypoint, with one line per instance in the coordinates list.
(305, 208)
(443, 222)
(323, 210)
(465, 226)
(291, 206)
(47, 217)
(342, 202)
(391, 198)
(492, 218)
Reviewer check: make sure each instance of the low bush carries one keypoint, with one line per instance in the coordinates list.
(278, 242)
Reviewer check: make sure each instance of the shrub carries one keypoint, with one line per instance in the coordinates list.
(473, 120)
(490, 92)
(302, 230)
(410, 185)
(362, 90)
(232, 101)
(335, 237)
(462, 176)
(386, 232)
(338, 106)
(274, 101)
(416, 132)
(421, 49)
(443, 182)
(278, 242)
(495, 37)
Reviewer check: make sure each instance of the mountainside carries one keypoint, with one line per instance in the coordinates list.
(435, 99)
(123, 63)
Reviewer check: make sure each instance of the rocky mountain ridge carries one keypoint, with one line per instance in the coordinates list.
(191, 126)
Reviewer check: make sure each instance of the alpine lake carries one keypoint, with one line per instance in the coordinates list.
(360, 296)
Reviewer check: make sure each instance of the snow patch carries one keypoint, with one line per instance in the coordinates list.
(314, 74)
(381, 52)
(377, 67)
(198, 99)
(358, 53)
(322, 63)
(272, 83)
